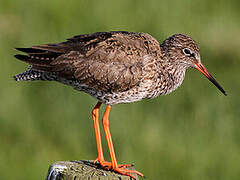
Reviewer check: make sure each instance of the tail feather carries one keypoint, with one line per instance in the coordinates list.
(21, 57)
(28, 75)
(31, 75)
(36, 54)
(40, 58)
(30, 50)
(35, 60)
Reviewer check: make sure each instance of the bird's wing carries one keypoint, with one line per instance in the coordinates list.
(108, 61)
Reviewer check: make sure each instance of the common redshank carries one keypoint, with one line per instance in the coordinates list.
(114, 67)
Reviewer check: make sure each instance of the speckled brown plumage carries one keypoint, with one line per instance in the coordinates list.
(99, 63)
(115, 67)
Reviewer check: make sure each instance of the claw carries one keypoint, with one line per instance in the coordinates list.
(127, 172)
(109, 165)
(121, 168)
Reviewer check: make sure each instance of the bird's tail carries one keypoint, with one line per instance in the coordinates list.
(32, 75)
(39, 58)
(28, 75)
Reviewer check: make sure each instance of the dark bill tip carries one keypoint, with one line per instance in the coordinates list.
(204, 71)
(217, 85)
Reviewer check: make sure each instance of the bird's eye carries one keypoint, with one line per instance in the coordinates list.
(187, 51)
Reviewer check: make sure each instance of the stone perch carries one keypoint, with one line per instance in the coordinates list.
(83, 170)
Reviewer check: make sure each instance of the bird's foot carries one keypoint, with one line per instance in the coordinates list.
(121, 168)
(108, 165)
(127, 172)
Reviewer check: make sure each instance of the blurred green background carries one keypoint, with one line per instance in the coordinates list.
(192, 133)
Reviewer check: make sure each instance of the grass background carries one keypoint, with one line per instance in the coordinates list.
(192, 133)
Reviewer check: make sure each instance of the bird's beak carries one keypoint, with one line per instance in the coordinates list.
(204, 71)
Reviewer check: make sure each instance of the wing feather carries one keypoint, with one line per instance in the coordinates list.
(109, 61)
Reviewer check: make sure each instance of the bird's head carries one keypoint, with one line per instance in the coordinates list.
(182, 51)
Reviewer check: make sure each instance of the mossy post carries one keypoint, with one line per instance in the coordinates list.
(82, 170)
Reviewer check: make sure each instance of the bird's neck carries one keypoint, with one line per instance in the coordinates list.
(171, 76)
(175, 77)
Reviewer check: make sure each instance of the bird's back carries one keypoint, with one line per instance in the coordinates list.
(103, 62)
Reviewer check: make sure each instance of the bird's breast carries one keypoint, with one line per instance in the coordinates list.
(165, 83)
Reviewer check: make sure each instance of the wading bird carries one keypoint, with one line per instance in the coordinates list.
(114, 67)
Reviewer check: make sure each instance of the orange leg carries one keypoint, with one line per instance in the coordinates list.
(115, 166)
(100, 157)
(95, 117)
